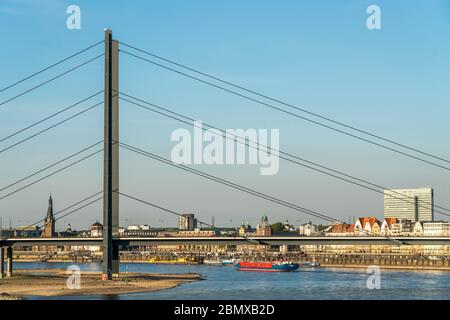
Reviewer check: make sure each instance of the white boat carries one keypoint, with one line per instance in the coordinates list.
(228, 262)
(212, 262)
(309, 264)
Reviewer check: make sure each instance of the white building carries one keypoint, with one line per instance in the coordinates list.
(436, 229)
(418, 229)
(411, 204)
(134, 230)
(367, 226)
(308, 229)
(96, 230)
(403, 227)
(138, 227)
(386, 226)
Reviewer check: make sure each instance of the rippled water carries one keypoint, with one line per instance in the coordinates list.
(223, 282)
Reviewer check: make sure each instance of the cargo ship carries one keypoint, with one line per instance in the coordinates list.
(267, 266)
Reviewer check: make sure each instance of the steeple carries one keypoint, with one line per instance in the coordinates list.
(49, 227)
(50, 209)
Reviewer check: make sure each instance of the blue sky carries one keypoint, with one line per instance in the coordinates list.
(318, 55)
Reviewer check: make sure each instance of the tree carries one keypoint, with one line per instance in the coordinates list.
(277, 227)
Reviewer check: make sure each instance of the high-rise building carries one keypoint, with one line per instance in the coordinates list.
(411, 204)
(187, 222)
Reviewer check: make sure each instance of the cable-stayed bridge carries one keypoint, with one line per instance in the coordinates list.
(111, 144)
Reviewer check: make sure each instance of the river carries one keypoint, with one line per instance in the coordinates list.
(223, 282)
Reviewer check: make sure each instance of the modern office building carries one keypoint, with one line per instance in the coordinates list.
(187, 222)
(411, 204)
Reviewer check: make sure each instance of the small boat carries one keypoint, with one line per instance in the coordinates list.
(230, 262)
(267, 266)
(309, 264)
(212, 262)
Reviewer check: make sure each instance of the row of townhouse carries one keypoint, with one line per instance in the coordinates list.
(390, 227)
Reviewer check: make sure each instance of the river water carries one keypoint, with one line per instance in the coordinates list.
(223, 282)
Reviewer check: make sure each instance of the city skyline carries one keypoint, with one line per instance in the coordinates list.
(410, 204)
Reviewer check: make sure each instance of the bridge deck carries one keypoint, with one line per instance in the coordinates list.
(274, 240)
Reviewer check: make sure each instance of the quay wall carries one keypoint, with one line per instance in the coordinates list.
(391, 261)
(382, 261)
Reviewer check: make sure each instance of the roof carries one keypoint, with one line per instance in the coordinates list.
(390, 221)
(370, 220)
(97, 224)
(342, 228)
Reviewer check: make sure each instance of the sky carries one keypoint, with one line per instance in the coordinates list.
(318, 55)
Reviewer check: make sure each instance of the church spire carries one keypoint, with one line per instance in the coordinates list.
(50, 208)
(49, 227)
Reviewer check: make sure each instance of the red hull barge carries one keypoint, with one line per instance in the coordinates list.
(271, 266)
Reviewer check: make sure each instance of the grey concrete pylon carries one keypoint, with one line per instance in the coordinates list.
(111, 159)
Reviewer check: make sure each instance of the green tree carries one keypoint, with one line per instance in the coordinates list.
(277, 227)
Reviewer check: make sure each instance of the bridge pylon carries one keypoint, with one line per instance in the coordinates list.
(111, 159)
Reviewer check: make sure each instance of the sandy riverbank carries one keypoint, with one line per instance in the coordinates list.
(54, 283)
